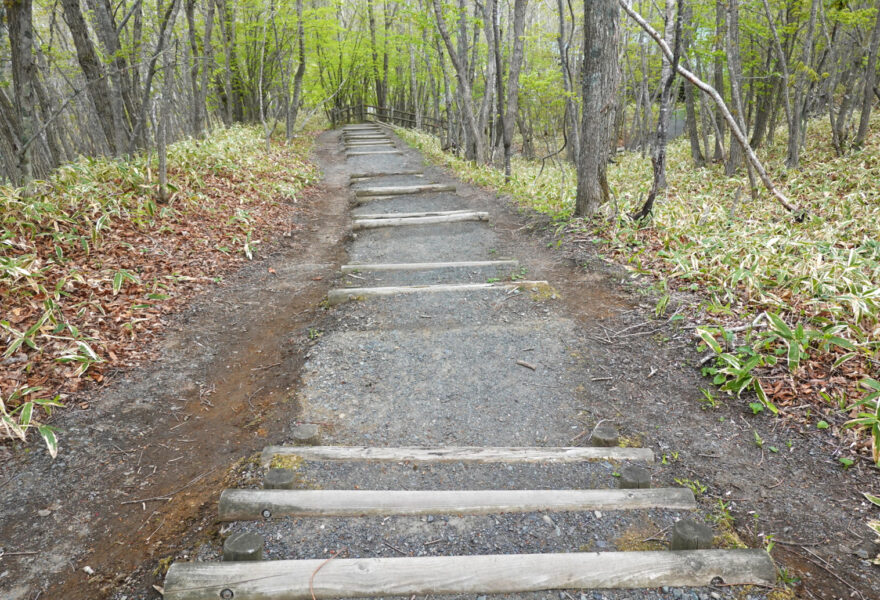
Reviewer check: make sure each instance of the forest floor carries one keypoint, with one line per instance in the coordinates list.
(137, 478)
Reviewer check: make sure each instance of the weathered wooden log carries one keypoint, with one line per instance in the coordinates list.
(455, 454)
(400, 190)
(360, 224)
(480, 574)
(436, 213)
(338, 296)
(373, 153)
(355, 176)
(248, 504)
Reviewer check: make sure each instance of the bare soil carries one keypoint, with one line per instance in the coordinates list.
(228, 381)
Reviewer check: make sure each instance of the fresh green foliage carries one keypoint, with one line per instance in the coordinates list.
(869, 415)
(693, 484)
(17, 421)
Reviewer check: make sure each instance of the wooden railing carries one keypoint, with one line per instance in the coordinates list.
(369, 112)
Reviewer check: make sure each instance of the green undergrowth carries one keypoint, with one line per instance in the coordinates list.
(92, 258)
(812, 289)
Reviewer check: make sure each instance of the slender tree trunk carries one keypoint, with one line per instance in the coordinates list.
(600, 77)
(690, 109)
(476, 149)
(570, 123)
(734, 65)
(658, 158)
(718, 74)
(301, 67)
(870, 78)
(98, 88)
(798, 115)
(516, 61)
(198, 124)
(19, 15)
(207, 65)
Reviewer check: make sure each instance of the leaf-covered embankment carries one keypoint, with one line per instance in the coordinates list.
(91, 262)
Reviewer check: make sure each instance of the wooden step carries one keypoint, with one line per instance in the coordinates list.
(400, 190)
(455, 454)
(373, 153)
(340, 295)
(248, 505)
(480, 574)
(436, 213)
(361, 144)
(394, 221)
(357, 176)
(428, 266)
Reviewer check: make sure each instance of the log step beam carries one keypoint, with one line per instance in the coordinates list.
(340, 295)
(480, 574)
(250, 505)
(436, 213)
(391, 221)
(404, 190)
(373, 153)
(456, 454)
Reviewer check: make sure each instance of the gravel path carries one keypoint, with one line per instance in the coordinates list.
(485, 368)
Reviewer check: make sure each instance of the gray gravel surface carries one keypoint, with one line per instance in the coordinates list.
(483, 274)
(424, 243)
(434, 201)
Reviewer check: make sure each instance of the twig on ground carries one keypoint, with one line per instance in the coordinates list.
(266, 367)
(395, 548)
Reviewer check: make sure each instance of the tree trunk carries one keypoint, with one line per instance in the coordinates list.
(570, 120)
(718, 74)
(734, 64)
(198, 124)
(301, 67)
(870, 78)
(690, 108)
(98, 89)
(24, 73)
(600, 76)
(516, 60)
(658, 159)
(798, 115)
(476, 147)
(121, 93)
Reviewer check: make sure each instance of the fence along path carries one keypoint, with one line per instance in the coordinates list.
(427, 321)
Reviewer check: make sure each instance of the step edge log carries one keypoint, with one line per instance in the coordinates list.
(250, 504)
(477, 574)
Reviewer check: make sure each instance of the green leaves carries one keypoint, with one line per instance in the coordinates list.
(869, 415)
(120, 277)
(18, 421)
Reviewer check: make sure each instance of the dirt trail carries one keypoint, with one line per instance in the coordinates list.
(265, 357)
(225, 368)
